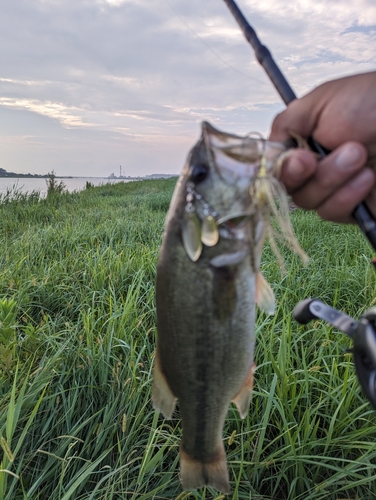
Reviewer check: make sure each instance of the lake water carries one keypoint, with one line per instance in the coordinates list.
(26, 185)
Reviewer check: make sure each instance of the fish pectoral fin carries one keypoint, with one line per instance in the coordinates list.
(229, 259)
(162, 397)
(243, 397)
(264, 294)
(195, 474)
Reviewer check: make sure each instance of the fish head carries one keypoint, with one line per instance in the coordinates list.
(224, 166)
(221, 168)
(214, 191)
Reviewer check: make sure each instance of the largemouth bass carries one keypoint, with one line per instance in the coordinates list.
(208, 283)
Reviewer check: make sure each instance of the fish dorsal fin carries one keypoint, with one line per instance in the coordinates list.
(264, 294)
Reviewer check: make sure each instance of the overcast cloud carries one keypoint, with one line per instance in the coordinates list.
(88, 85)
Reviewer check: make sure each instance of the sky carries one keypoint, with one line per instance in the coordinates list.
(87, 86)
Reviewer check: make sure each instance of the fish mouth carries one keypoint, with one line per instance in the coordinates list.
(234, 220)
(239, 156)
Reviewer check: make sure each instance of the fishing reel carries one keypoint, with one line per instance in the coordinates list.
(362, 333)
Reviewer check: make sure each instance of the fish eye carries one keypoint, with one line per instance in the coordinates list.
(199, 172)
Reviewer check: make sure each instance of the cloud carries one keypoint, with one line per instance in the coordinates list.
(140, 76)
(66, 116)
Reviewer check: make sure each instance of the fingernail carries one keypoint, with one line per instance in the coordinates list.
(347, 157)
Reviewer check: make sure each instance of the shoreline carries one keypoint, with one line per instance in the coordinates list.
(146, 177)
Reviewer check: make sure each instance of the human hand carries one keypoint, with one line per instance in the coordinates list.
(341, 115)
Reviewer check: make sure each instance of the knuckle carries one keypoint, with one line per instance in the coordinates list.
(327, 183)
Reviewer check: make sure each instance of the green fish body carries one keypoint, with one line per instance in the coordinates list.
(206, 298)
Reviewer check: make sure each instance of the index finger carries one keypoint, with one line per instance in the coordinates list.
(300, 116)
(298, 167)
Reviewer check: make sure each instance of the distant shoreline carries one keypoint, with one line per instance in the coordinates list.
(70, 183)
(36, 176)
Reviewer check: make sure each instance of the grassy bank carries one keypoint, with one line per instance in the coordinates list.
(77, 337)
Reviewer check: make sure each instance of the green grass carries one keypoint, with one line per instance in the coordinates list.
(77, 339)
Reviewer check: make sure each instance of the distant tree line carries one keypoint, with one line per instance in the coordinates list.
(4, 173)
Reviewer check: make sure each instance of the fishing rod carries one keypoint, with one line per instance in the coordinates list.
(362, 332)
(361, 213)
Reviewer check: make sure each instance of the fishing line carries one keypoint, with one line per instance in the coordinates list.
(217, 55)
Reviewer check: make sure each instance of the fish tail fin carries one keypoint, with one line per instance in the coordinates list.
(195, 474)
